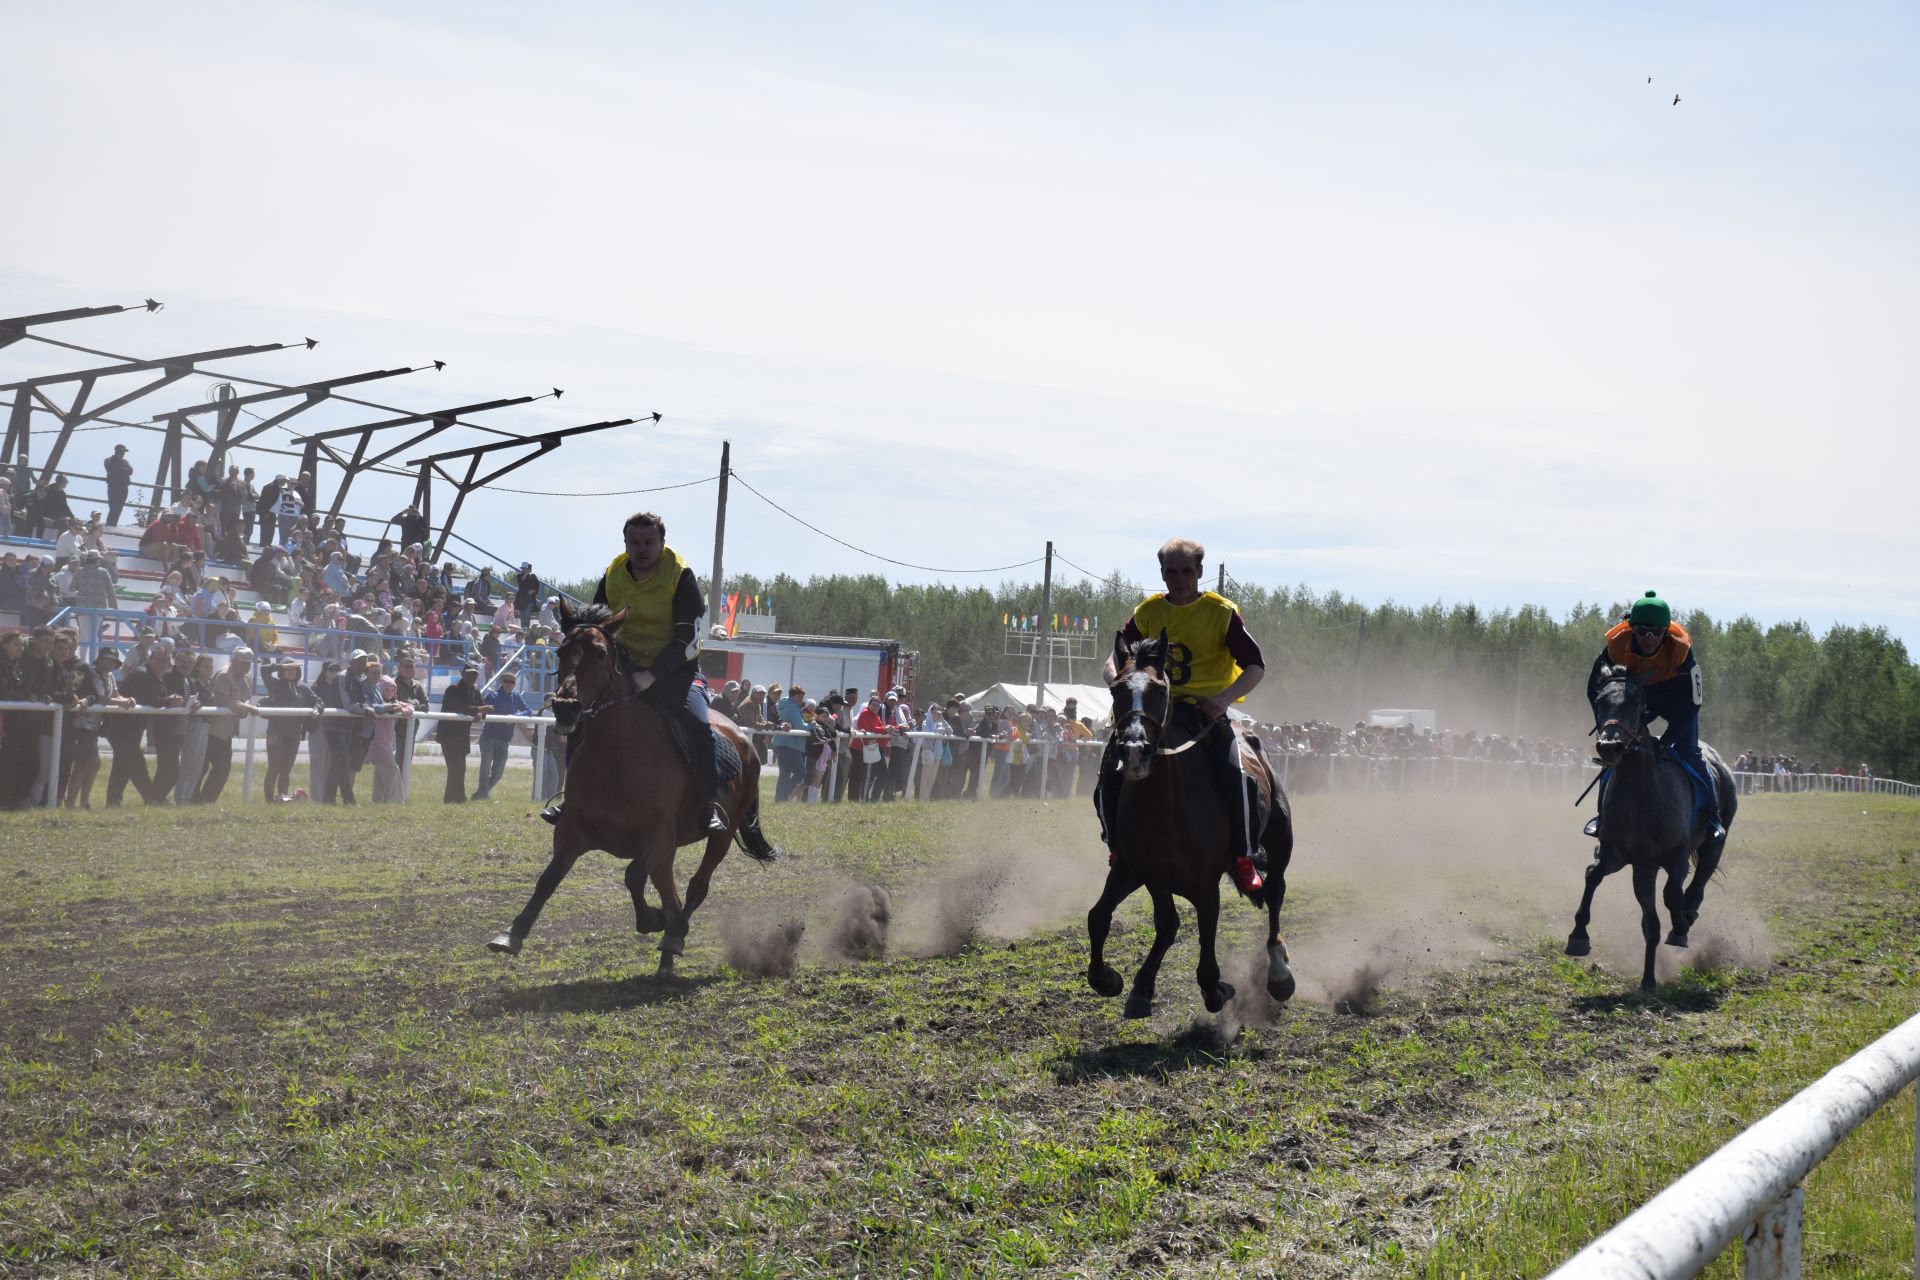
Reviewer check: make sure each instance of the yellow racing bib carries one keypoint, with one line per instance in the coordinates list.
(1198, 664)
(649, 604)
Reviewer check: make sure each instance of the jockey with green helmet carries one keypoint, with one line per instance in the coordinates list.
(1657, 654)
(1212, 663)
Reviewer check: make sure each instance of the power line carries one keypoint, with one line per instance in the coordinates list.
(604, 493)
(1097, 577)
(904, 564)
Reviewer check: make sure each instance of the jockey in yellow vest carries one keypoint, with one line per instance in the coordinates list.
(1213, 662)
(661, 637)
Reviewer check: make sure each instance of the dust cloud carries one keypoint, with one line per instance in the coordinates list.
(1384, 891)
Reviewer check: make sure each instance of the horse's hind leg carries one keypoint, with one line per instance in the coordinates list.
(646, 917)
(1166, 924)
(1602, 866)
(1100, 975)
(717, 847)
(516, 933)
(1207, 918)
(1705, 863)
(1643, 884)
(1280, 980)
(1675, 896)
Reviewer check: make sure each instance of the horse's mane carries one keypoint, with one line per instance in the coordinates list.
(590, 615)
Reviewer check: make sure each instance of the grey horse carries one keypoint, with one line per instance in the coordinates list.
(1647, 820)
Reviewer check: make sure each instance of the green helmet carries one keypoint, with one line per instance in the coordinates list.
(1650, 611)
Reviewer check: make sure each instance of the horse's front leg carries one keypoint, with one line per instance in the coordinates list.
(1166, 924)
(516, 933)
(647, 918)
(673, 942)
(1206, 910)
(1602, 866)
(1100, 975)
(1675, 896)
(717, 847)
(1644, 874)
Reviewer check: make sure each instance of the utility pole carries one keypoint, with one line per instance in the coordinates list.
(717, 595)
(1221, 589)
(1046, 626)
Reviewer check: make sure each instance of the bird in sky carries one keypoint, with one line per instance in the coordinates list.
(1649, 79)
(1676, 99)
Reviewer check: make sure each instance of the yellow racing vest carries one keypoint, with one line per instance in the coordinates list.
(1198, 664)
(649, 604)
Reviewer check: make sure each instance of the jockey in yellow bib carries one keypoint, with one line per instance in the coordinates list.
(1212, 662)
(661, 637)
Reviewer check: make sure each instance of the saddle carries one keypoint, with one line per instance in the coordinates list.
(1185, 730)
(726, 757)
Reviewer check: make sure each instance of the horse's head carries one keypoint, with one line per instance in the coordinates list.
(1140, 696)
(1619, 715)
(584, 663)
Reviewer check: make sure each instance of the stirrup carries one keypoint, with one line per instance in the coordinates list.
(1592, 828)
(551, 814)
(716, 819)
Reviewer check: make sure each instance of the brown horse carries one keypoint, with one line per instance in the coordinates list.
(1170, 833)
(629, 791)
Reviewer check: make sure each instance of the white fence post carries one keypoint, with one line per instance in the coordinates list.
(53, 764)
(1771, 1247)
(246, 768)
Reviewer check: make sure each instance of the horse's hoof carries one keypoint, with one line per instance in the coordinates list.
(1216, 999)
(1138, 1006)
(1280, 983)
(652, 920)
(1677, 939)
(1578, 946)
(1104, 981)
(665, 968)
(673, 946)
(505, 943)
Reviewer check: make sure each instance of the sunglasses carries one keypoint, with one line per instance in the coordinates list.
(1649, 631)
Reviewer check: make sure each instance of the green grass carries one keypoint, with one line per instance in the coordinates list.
(246, 1041)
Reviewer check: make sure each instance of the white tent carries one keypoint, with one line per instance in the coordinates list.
(1096, 703)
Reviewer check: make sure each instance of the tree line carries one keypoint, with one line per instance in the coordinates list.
(1848, 696)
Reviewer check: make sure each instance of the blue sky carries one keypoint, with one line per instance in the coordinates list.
(1409, 301)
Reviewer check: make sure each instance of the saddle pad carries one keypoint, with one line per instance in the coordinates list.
(726, 757)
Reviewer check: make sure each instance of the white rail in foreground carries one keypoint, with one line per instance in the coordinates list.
(1751, 1189)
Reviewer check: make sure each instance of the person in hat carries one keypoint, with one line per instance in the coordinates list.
(455, 737)
(526, 592)
(285, 689)
(1658, 655)
(231, 691)
(119, 473)
(92, 585)
(98, 686)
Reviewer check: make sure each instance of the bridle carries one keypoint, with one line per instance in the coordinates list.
(1630, 738)
(604, 697)
(1139, 714)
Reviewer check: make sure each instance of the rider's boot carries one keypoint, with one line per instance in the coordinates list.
(1246, 875)
(1592, 829)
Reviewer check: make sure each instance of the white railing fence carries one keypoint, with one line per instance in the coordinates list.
(1752, 1188)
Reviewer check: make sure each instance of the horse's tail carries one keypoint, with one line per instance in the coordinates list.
(753, 841)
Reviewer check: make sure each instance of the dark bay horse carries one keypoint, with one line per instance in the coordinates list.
(1648, 820)
(1171, 834)
(629, 791)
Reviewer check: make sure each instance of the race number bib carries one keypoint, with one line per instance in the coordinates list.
(1699, 688)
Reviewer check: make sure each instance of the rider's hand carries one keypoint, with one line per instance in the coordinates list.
(1213, 708)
